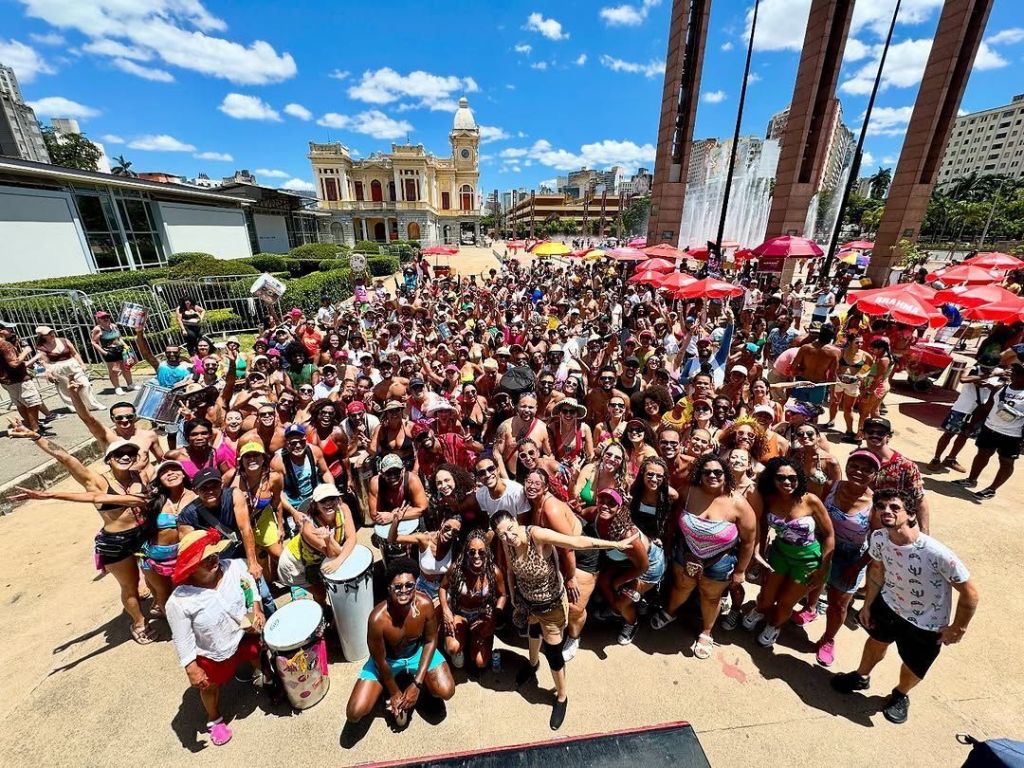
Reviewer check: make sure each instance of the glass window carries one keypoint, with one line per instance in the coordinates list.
(146, 248)
(104, 252)
(92, 213)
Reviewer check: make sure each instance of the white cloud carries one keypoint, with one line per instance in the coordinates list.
(222, 157)
(524, 48)
(581, 60)
(112, 138)
(1006, 36)
(298, 185)
(24, 59)
(890, 160)
(272, 173)
(373, 123)
(876, 15)
(510, 87)
(600, 154)
(174, 31)
(514, 152)
(903, 68)
(489, 133)
(855, 50)
(160, 142)
(435, 92)
(106, 47)
(988, 58)
(58, 106)
(339, 74)
(541, 65)
(653, 68)
(146, 73)
(299, 111)
(50, 38)
(780, 25)
(727, 45)
(243, 107)
(889, 121)
(713, 97)
(550, 28)
(627, 15)
(753, 77)
(549, 183)
(867, 160)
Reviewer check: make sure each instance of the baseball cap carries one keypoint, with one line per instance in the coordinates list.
(392, 405)
(117, 446)
(273, 352)
(8, 326)
(330, 366)
(739, 369)
(163, 466)
(356, 406)
(764, 408)
(417, 381)
(204, 476)
(490, 364)
(295, 429)
(878, 421)
(389, 462)
(612, 494)
(101, 313)
(631, 362)
(254, 447)
(43, 330)
(326, 491)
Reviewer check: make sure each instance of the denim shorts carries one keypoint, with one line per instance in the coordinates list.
(843, 558)
(721, 570)
(655, 565)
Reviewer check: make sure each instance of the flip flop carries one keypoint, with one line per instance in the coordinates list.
(703, 647)
(157, 612)
(141, 635)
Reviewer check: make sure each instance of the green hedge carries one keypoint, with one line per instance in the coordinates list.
(268, 262)
(102, 281)
(203, 268)
(367, 246)
(318, 251)
(306, 291)
(177, 258)
(382, 266)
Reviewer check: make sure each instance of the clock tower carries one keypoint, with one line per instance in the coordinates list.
(465, 139)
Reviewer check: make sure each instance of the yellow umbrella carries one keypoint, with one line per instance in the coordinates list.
(593, 255)
(551, 249)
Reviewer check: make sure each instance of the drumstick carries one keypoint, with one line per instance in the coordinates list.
(796, 384)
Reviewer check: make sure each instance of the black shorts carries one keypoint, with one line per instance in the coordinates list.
(113, 355)
(918, 648)
(1006, 446)
(114, 547)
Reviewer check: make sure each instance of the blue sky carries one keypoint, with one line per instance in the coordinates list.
(185, 86)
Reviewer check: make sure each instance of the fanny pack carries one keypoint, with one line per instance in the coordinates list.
(695, 566)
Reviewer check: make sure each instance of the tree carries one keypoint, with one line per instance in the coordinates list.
(879, 183)
(871, 218)
(122, 167)
(70, 150)
(635, 216)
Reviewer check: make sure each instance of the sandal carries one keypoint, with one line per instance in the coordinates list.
(141, 635)
(661, 619)
(703, 647)
(220, 734)
(157, 612)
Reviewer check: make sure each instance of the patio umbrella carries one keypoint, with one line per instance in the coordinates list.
(742, 255)
(657, 265)
(854, 257)
(646, 276)
(549, 248)
(965, 274)
(700, 253)
(516, 243)
(664, 251)
(903, 307)
(440, 250)
(627, 254)
(708, 288)
(924, 292)
(675, 281)
(789, 246)
(857, 245)
(976, 296)
(593, 254)
(638, 242)
(998, 312)
(995, 260)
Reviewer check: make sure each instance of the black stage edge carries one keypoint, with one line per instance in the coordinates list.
(669, 745)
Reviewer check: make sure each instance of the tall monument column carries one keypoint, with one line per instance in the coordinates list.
(683, 64)
(805, 141)
(960, 29)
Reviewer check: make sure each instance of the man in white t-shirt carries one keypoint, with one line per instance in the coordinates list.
(1001, 433)
(908, 601)
(497, 493)
(975, 389)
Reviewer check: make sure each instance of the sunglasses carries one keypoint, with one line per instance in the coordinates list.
(654, 475)
(617, 406)
(305, 390)
(128, 419)
(713, 473)
(485, 471)
(408, 586)
(787, 479)
(876, 433)
(701, 409)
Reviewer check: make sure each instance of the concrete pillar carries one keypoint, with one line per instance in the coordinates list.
(683, 64)
(960, 29)
(399, 192)
(812, 111)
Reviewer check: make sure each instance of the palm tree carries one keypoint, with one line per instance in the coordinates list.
(879, 183)
(122, 167)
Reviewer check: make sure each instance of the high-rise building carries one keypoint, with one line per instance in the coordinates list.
(68, 126)
(19, 131)
(987, 142)
(838, 151)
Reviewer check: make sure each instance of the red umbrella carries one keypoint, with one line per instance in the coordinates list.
(857, 245)
(965, 274)
(657, 265)
(708, 288)
(997, 312)
(995, 260)
(627, 254)
(742, 255)
(664, 251)
(924, 292)
(637, 242)
(903, 307)
(675, 281)
(646, 276)
(976, 296)
(516, 243)
(440, 250)
(789, 246)
(699, 253)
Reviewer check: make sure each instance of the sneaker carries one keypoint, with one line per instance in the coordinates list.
(133, 388)
(118, 391)
(731, 620)
(806, 616)
(966, 482)
(627, 633)
(826, 655)
(558, 714)
(768, 636)
(851, 437)
(935, 464)
(458, 659)
(987, 493)
(848, 682)
(828, 424)
(220, 734)
(897, 708)
(572, 644)
(752, 619)
(725, 604)
(526, 674)
(955, 465)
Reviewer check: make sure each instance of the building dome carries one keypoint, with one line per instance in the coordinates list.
(464, 120)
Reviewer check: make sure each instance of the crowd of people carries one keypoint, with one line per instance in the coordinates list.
(547, 446)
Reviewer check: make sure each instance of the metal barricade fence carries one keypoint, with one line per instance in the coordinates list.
(230, 308)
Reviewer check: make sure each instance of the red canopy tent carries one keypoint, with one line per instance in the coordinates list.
(965, 274)
(976, 296)
(857, 245)
(637, 242)
(675, 281)
(921, 291)
(516, 244)
(995, 260)
(657, 265)
(997, 312)
(627, 254)
(788, 246)
(664, 251)
(646, 276)
(903, 307)
(708, 288)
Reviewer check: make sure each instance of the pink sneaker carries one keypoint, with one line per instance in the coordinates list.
(827, 653)
(220, 734)
(806, 616)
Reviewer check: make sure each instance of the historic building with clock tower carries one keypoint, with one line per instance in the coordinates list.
(407, 194)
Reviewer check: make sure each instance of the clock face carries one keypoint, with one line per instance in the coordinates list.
(465, 154)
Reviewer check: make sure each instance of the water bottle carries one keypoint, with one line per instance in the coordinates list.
(496, 660)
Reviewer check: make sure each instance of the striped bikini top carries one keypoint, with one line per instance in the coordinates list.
(707, 538)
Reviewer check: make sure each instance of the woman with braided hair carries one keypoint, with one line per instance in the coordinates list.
(472, 594)
(651, 498)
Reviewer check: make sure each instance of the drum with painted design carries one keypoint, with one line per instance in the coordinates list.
(295, 637)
